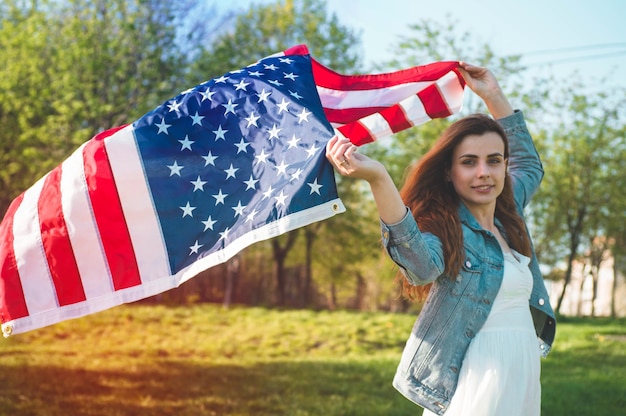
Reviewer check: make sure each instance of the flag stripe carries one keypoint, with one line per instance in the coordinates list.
(396, 118)
(32, 264)
(357, 133)
(327, 78)
(139, 211)
(82, 228)
(434, 104)
(109, 216)
(56, 243)
(12, 302)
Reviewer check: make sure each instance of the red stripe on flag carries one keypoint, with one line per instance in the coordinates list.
(349, 115)
(357, 133)
(326, 77)
(107, 210)
(12, 301)
(434, 103)
(56, 242)
(396, 118)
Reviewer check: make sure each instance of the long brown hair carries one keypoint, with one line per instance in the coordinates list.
(432, 199)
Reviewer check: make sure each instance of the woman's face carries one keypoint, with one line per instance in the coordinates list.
(478, 170)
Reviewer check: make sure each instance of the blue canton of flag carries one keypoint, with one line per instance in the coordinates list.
(231, 160)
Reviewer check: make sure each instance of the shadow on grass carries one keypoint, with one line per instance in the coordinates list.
(175, 388)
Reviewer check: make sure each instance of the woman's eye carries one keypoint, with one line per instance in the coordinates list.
(494, 161)
(468, 162)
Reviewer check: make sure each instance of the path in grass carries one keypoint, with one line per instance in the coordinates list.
(203, 360)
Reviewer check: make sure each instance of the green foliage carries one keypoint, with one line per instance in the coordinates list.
(70, 69)
(265, 29)
(154, 360)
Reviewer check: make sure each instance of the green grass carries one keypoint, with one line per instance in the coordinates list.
(203, 360)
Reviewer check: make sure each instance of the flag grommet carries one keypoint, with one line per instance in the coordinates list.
(336, 207)
(7, 330)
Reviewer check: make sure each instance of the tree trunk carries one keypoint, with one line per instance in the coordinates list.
(614, 287)
(310, 234)
(280, 254)
(232, 272)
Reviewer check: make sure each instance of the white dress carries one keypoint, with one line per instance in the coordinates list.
(501, 369)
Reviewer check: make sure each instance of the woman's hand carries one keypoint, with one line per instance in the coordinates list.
(482, 81)
(343, 155)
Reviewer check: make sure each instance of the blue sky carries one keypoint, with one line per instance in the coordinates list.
(584, 27)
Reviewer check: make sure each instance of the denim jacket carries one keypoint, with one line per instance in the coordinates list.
(456, 308)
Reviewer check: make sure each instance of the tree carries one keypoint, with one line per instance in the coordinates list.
(72, 68)
(581, 158)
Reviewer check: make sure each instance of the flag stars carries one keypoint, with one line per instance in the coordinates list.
(251, 183)
(207, 95)
(194, 249)
(224, 234)
(175, 169)
(274, 132)
(295, 95)
(275, 82)
(221, 80)
(230, 172)
(268, 193)
(280, 199)
(220, 133)
(198, 184)
(256, 73)
(209, 223)
(186, 143)
(262, 158)
(283, 106)
(239, 209)
(174, 106)
(197, 119)
(251, 215)
(209, 159)
(315, 187)
(252, 120)
(312, 151)
(230, 107)
(290, 76)
(263, 96)
(163, 127)
(287, 61)
(270, 67)
(219, 197)
(293, 142)
(187, 210)
(242, 146)
(296, 175)
(282, 168)
(241, 85)
(303, 116)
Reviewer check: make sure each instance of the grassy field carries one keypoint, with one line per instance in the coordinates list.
(203, 360)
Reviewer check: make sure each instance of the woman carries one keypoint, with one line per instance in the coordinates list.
(457, 229)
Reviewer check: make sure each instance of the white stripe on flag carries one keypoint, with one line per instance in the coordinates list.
(32, 265)
(376, 97)
(452, 91)
(81, 226)
(139, 211)
(377, 125)
(414, 109)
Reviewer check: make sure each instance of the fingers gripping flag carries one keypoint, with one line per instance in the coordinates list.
(139, 209)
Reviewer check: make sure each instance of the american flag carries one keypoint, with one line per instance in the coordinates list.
(141, 208)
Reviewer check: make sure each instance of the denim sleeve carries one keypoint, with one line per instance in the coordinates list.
(419, 255)
(525, 166)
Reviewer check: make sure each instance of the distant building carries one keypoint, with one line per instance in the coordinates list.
(579, 293)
